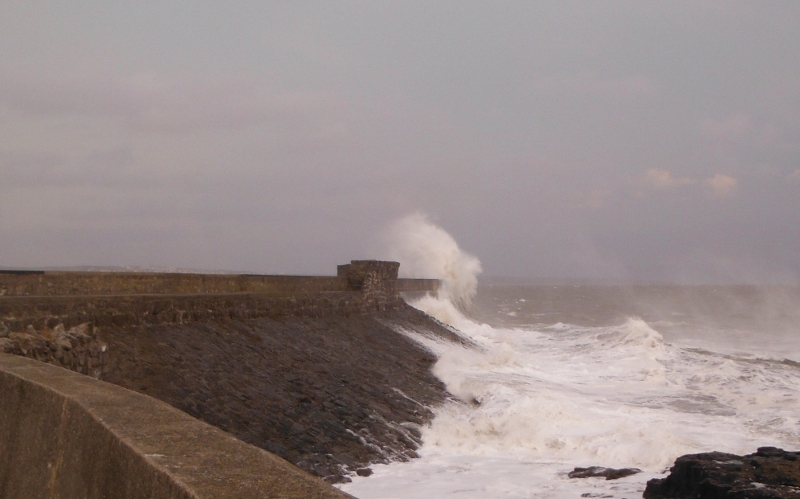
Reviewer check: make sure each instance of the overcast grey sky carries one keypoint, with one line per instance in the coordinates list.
(626, 139)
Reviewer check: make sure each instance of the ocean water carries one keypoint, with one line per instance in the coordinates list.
(566, 375)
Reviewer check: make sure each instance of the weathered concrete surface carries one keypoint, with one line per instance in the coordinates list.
(65, 435)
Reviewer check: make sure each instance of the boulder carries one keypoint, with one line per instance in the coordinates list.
(769, 473)
(77, 348)
(599, 471)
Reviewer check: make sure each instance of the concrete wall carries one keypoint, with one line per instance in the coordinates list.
(68, 436)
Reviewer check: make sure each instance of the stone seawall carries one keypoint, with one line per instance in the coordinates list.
(331, 395)
(43, 300)
(54, 316)
(41, 283)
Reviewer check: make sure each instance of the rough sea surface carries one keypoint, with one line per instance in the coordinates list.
(567, 376)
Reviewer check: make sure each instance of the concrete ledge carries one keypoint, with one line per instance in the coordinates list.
(69, 436)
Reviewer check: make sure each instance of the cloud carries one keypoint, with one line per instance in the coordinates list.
(633, 85)
(114, 167)
(795, 175)
(663, 179)
(597, 198)
(169, 102)
(728, 128)
(722, 186)
(624, 86)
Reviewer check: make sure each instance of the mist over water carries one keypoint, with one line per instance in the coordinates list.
(568, 376)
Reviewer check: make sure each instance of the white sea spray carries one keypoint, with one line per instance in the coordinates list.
(426, 250)
(537, 400)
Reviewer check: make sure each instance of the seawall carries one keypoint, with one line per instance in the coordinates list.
(312, 369)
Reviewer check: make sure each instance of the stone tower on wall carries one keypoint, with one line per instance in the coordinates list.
(375, 279)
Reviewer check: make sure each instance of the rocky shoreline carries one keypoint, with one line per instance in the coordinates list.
(768, 473)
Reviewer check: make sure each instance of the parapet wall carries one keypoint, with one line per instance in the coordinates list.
(70, 436)
(146, 283)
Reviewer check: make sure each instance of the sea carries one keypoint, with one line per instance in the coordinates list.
(568, 374)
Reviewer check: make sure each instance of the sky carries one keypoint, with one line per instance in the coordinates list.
(564, 139)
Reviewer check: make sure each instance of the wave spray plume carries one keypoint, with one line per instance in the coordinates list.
(426, 250)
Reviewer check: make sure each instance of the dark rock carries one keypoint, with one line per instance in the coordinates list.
(599, 471)
(364, 472)
(769, 473)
